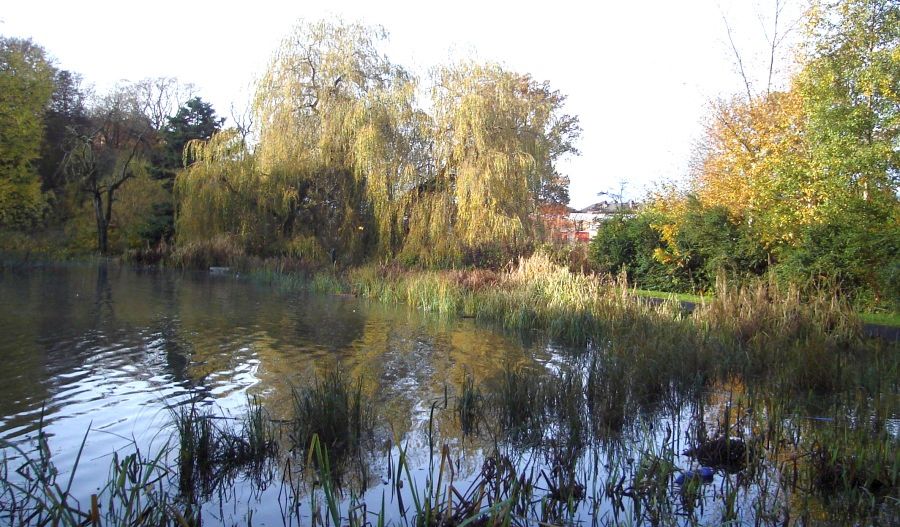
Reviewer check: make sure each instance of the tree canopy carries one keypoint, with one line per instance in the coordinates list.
(348, 159)
(807, 177)
(26, 85)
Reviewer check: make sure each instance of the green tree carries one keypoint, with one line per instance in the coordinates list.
(216, 194)
(333, 114)
(66, 113)
(333, 151)
(802, 168)
(345, 159)
(497, 138)
(196, 119)
(851, 91)
(26, 85)
(111, 153)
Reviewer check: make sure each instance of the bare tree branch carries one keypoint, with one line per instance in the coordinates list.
(740, 62)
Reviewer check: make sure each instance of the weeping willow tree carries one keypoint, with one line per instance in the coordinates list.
(219, 193)
(346, 161)
(338, 134)
(497, 137)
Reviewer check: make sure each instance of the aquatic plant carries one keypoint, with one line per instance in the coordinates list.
(469, 406)
(334, 410)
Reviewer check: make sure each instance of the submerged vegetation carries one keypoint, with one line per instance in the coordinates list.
(543, 447)
(765, 403)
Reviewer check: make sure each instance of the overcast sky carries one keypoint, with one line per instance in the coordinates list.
(638, 74)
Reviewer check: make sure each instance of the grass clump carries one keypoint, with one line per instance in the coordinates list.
(469, 406)
(211, 451)
(333, 409)
(198, 445)
(218, 251)
(520, 403)
(34, 493)
(607, 392)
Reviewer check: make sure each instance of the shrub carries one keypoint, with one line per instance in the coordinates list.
(218, 251)
(713, 242)
(627, 243)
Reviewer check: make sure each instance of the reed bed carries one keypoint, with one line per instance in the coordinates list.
(763, 461)
(759, 330)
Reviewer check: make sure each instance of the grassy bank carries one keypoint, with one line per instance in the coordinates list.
(759, 331)
(882, 319)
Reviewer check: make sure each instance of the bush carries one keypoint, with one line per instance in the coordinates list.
(858, 253)
(627, 243)
(220, 251)
(712, 242)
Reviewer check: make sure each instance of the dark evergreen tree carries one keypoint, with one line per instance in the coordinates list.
(195, 120)
(67, 114)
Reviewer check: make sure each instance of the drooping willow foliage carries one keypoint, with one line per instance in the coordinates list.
(218, 193)
(497, 136)
(347, 157)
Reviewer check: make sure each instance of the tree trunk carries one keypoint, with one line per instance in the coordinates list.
(102, 224)
(287, 226)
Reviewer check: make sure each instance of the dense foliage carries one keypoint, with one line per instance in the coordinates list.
(26, 84)
(346, 157)
(802, 182)
(348, 162)
(83, 172)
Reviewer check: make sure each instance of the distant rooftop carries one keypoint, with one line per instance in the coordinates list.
(610, 207)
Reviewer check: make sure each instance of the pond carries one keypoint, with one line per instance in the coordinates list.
(100, 359)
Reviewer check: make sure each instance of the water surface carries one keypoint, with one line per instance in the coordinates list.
(104, 354)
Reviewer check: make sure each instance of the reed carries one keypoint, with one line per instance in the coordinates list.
(135, 494)
(257, 440)
(843, 469)
(334, 410)
(222, 251)
(520, 404)
(469, 406)
(198, 448)
(759, 330)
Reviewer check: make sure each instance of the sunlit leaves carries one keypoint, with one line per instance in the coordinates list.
(346, 154)
(498, 135)
(26, 85)
(792, 159)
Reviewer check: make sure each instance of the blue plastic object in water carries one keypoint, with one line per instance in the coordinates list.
(703, 473)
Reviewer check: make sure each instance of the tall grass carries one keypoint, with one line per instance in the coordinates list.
(333, 410)
(212, 450)
(760, 330)
(135, 494)
(521, 404)
(220, 251)
(469, 406)
(843, 470)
